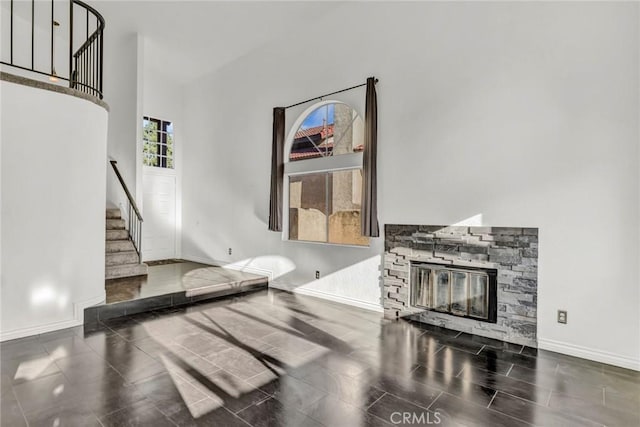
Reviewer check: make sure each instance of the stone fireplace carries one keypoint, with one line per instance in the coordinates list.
(480, 280)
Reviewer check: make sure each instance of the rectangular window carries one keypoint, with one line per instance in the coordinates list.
(325, 207)
(157, 137)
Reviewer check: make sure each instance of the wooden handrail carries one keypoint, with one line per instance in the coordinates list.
(126, 190)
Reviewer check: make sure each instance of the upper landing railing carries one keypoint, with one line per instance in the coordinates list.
(62, 39)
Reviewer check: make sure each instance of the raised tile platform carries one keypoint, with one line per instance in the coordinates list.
(171, 285)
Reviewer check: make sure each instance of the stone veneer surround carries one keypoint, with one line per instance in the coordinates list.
(511, 251)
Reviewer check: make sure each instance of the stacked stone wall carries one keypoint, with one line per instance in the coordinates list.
(513, 252)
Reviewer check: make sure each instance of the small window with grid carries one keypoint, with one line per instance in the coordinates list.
(158, 143)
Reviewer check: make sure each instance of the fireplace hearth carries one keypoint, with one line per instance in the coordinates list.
(479, 280)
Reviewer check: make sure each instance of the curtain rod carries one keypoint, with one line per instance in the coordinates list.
(327, 94)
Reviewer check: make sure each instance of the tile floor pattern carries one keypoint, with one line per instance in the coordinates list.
(275, 359)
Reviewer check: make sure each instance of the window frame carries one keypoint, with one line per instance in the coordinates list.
(161, 153)
(348, 161)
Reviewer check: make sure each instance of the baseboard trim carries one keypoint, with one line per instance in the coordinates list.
(335, 298)
(230, 266)
(589, 353)
(310, 292)
(78, 320)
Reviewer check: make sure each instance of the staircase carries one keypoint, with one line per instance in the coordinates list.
(121, 258)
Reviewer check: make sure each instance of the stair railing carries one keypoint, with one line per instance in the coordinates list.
(134, 217)
(86, 63)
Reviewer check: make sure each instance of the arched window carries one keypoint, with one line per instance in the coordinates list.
(323, 175)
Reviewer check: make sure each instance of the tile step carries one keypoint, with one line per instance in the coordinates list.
(117, 235)
(119, 258)
(125, 270)
(174, 299)
(115, 224)
(114, 213)
(114, 246)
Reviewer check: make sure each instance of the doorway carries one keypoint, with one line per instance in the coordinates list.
(159, 190)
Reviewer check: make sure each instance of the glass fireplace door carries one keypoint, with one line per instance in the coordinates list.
(452, 290)
(459, 292)
(441, 301)
(478, 295)
(421, 292)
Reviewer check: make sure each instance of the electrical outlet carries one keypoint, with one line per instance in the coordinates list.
(230, 251)
(317, 274)
(562, 316)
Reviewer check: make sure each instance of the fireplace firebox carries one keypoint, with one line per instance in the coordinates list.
(459, 291)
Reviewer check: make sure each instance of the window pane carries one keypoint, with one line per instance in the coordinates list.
(170, 145)
(308, 207)
(344, 206)
(329, 130)
(459, 292)
(151, 161)
(150, 130)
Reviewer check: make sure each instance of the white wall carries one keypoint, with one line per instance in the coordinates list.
(526, 113)
(162, 99)
(53, 192)
(122, 91)
(122, 74)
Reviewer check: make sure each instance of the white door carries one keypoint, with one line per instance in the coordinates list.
(159, 214)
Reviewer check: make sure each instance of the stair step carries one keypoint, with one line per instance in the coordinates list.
(115, 224)
(127, 270)
(119, 246)
(117, 235)
(120, 258)
(114, 213)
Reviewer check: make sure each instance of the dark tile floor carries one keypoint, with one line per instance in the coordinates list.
(275, 359)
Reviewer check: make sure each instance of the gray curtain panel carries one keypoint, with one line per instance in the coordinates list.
(277, 170)
(369, 219)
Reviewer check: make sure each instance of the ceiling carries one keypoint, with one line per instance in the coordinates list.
(187, 39)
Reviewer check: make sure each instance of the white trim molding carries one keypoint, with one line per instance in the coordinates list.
(78, 319)
(303, 291)
(335, 298)
(589, 353)
(229, 265)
